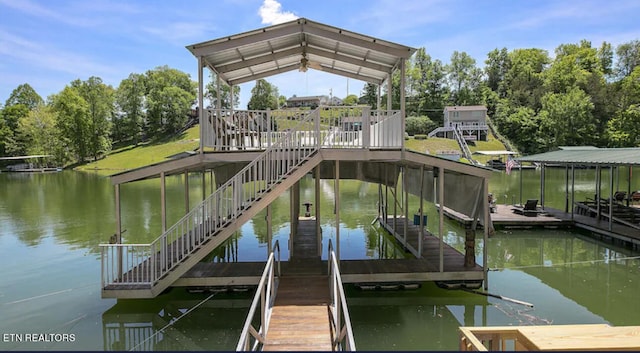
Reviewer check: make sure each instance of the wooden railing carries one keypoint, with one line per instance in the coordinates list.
(499, 338)
(251, 338)
(341, 332)
(336, 127)
(144, 264)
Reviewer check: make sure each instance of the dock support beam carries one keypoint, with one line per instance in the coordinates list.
(337, 198)
(441, 215)
(269, 230)
(163, 201)
(317, 210)
(422, 225)
(485, 229)
(119, 228)
(200, 102)
(186, 191)
(405, 196)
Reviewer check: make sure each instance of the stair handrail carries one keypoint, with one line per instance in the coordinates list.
(270, 166)
(252, 339)
(463, 145)
(342, 333)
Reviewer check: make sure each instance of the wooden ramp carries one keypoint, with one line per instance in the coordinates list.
(300, 316)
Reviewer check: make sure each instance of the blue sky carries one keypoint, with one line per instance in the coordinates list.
(47, 44)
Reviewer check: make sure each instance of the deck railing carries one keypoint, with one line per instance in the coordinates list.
(337, 127)
(252, 339)
(341, 332)
(145, 264)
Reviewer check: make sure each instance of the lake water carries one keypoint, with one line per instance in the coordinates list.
(51, 225)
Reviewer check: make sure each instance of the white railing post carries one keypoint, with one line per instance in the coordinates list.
(366, 127)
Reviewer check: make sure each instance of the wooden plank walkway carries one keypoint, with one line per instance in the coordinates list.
(300, 317)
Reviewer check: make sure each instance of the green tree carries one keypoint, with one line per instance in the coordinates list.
(430, 82)
(170, 94)
(11, 143)
(73, 122)
(262, 96)
(370, 95)
(524, 78)
(464, 79)
(100, 103)
(24, 94)
(21, 100)
(211, 93)
(130, 114)
(628, 57)
(622, 129)
(570, 117)
(351, 99)
(42, 134)
(497, 66)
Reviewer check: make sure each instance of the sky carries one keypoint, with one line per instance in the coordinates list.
(48, 44)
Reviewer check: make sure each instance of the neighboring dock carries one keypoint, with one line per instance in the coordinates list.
(552, 218)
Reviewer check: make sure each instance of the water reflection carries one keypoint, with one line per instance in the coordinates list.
(51, 225)
(176, 321)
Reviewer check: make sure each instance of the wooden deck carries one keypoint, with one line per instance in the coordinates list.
(304, 263)
(300, 317)
(553, 218)
(588, 337)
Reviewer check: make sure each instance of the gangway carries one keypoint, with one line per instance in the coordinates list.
(301, 313)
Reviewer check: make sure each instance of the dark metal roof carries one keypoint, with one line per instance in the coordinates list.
(587, 155)
(280, 48)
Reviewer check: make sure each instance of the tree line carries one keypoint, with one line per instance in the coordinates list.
(84, 120)
(584, 95)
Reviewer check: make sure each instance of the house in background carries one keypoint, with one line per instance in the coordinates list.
(468, 122)
(312, 101)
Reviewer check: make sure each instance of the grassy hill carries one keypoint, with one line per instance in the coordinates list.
(131, 157)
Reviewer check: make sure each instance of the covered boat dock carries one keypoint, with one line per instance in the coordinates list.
(609, 213)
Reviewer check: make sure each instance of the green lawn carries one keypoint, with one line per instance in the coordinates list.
(131, 157)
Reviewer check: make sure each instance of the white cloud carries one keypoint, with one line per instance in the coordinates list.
(271, 13)
(38, 54)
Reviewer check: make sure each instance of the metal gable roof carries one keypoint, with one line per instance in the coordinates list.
(588, 155)
(276, 49)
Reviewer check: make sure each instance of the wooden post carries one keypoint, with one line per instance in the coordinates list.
(186, 191)
(379, 98)
(119, 229)
(441, 215)
(163, 202)
(542, 182)
(201, 104)
(389, 94)
(204, 184)
(573, 188)
(402, 98)
(337, 198)
(406, 204)
(269, 230)
(598, 182)
(485, 247)
(566, 188)
(317, 210)
(422, 225)
(610, 197)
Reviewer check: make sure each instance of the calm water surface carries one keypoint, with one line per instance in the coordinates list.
(51, 225)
